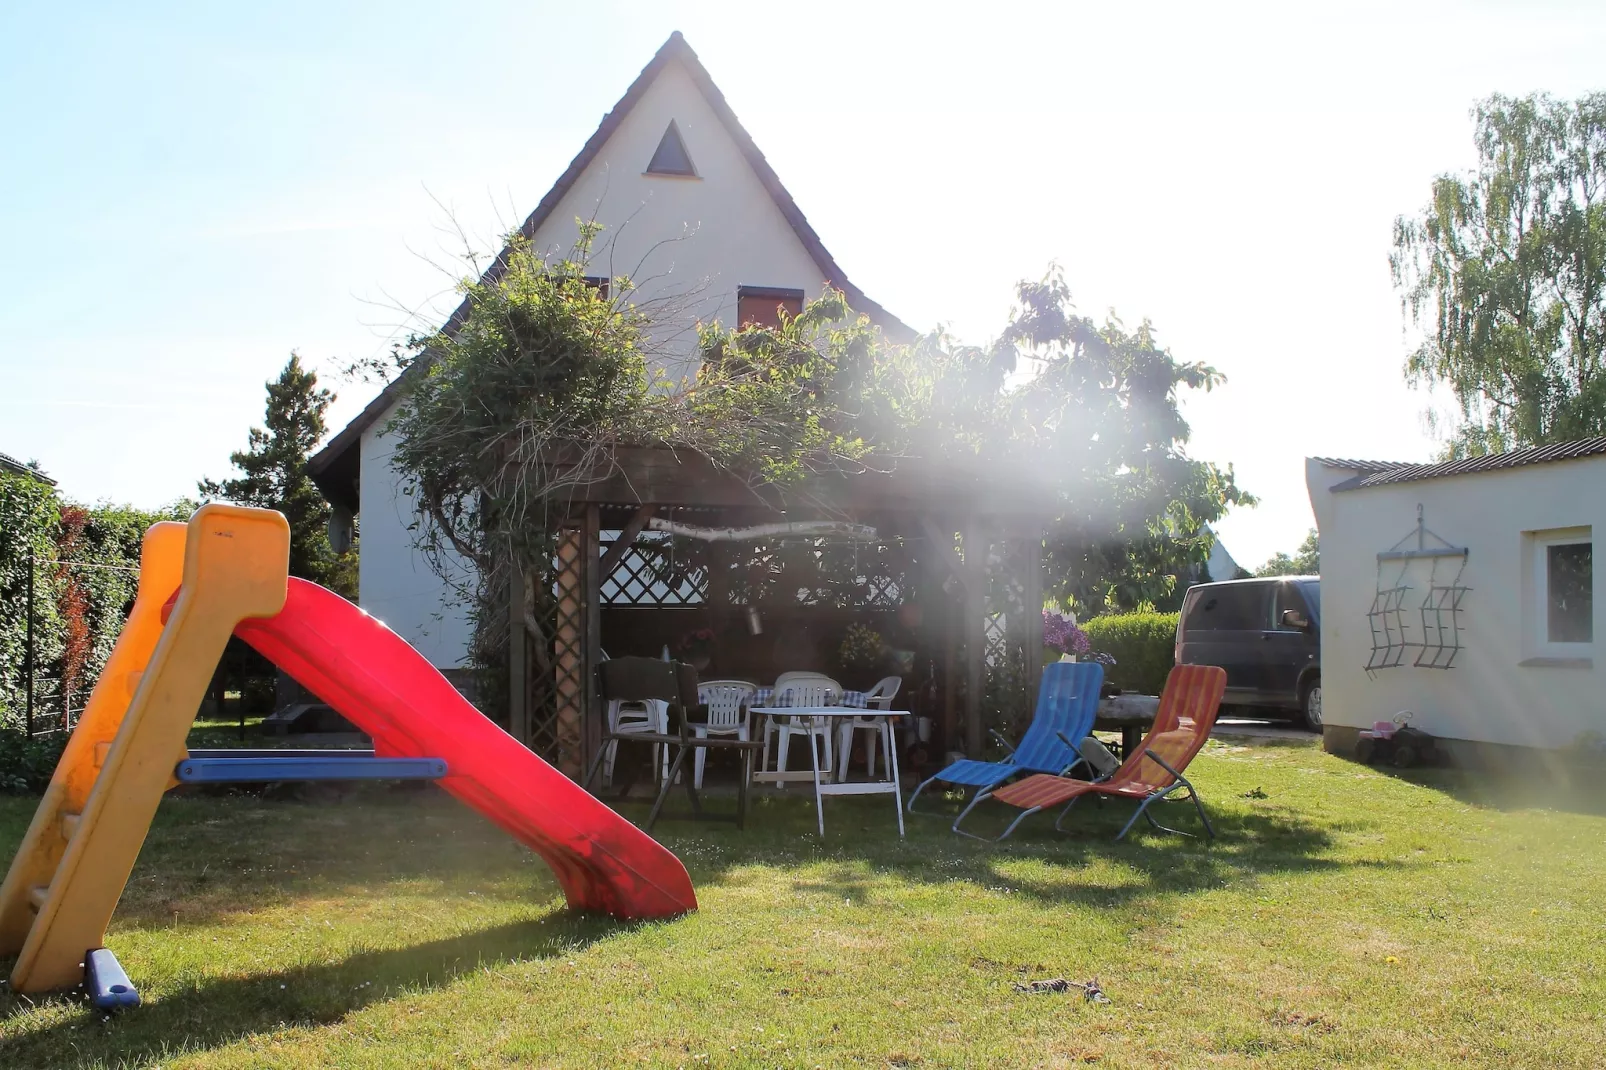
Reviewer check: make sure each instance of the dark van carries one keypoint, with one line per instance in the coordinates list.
(1266, 633)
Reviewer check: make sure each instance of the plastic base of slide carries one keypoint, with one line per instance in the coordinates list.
(108, 986)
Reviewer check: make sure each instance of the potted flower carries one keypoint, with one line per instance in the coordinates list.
(861, 651)
(696, 648)
(1061, 634)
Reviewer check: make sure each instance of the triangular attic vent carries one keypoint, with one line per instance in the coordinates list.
(671, 157)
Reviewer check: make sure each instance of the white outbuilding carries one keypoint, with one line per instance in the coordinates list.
(1463, 592)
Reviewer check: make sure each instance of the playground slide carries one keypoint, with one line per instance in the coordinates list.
(386, 688)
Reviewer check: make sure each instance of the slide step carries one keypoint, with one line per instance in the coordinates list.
(37, 896)
(265, 770)
(107, 984)
(69, 825)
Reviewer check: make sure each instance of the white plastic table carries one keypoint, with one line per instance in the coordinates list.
(823, 784)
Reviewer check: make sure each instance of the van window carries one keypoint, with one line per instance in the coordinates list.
(1288, 596)
(1313, 594)
(1234, 607)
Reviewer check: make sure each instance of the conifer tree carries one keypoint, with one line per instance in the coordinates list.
(272, 473)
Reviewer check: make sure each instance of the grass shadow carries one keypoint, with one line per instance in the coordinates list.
(1252, 843)
(1529, 783)
(216, 858)
(215, 1012)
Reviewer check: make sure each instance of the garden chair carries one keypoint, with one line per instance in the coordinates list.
(773, 724)
(805, 678)
(675, 684)
(638, 692)
(1188, 708)
(726, 702)
(815, 729)
(878, 697)
(1067, 702)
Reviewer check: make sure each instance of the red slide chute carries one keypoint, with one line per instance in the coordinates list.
(386, 688)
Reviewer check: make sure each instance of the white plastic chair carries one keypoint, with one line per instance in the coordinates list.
(878, 697)
(727, 702)
(813, 728)
(787, 678)
(627, 716)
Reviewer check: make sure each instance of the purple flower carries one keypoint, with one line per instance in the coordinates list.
(1061, 633)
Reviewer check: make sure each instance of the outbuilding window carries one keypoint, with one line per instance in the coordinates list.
(1569, 592)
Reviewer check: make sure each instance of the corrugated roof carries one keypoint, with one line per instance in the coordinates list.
(1361, 466)
(335, 467)
(1489, 462)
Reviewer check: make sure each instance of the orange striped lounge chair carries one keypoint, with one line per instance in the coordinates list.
(1188, 707)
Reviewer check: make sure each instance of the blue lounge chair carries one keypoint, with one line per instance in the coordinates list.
(1067, 702)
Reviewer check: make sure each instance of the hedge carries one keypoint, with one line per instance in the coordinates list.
(1143, 645)
(83, 561)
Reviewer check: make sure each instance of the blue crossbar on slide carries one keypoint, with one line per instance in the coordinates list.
(258, 769)
(108, 986)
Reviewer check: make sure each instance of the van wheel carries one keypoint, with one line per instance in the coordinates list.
(1310, 704)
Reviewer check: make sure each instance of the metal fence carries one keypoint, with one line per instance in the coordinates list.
(48, 705)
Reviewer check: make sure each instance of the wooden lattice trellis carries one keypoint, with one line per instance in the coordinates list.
(568, 654)
(646, 576)
(1012, 622)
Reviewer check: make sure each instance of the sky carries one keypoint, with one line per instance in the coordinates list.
(190, 192)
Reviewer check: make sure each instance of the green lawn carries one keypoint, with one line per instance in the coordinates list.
(1344, 917)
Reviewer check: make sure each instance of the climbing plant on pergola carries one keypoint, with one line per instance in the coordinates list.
(538, 423)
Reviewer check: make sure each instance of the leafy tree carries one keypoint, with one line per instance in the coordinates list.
(1099, 414)
(1505, 269)
(1307, 560)
(273, 474)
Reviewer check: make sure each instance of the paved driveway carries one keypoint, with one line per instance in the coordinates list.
(1252, 728)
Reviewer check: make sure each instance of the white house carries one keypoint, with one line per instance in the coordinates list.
(1463, 592)
(693, 212)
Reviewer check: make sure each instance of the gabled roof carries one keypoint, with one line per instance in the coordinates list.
(1372, 475)
(335, 467)
(10, 464)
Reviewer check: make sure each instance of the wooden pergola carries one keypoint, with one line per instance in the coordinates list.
(976, 540)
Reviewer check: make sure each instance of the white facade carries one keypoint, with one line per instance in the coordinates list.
(394, 581)
(691, 241)
(1222, 565)
(1509, 682)
(686, 242)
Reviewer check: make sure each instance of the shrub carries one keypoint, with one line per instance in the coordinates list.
(26, 764)
(1143, 645)
(257, 695)
(83, 562)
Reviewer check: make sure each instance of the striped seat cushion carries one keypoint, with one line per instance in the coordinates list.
(1042, 790)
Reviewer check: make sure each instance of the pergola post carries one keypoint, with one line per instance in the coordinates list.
(1031, 554)
(974, 633)
(518, 661)
(568, 653)
(591, 736)
(952, 629)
